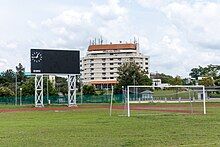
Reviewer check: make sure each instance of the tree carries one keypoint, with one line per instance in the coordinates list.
(5, 91)
(117, 89)
(88, 89)
(164, 78)
(177, 81)
(217, 82)
(9, 75)
(206, 81)
(131, 74)
(20, 71)
(209, 71)
(28, 88)
(195, 73)
(62, 85)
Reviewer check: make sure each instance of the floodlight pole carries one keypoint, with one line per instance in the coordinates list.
(128, 101)
(20, 96)
(204, 105)
(47, 88)
(71, 90)
(111, 101)
(81, 90)
(16, 87)
(39, 90)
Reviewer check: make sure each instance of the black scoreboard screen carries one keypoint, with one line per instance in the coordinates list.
(47, 61)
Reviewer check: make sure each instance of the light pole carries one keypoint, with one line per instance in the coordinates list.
(81, 90)
(47, 90)
(134, 76)
(16, 87)
(20, 96)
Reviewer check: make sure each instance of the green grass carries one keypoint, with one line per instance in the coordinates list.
(94, 127)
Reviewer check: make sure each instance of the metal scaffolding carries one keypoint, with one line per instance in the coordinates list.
(71, 90)
(39, 90)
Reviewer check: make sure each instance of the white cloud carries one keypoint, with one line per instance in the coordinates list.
(3, 64)
(75, 27)
(200, 21)
(176, 34)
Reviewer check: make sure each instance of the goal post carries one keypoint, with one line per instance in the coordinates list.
(168, 98)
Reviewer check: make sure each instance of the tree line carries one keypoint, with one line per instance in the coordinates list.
(129, 73)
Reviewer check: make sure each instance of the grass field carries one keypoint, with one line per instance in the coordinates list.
(90, 126)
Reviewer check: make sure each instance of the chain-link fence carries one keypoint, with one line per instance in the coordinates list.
(80, 99)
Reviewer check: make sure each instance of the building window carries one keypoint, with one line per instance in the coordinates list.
(111, 63)
(103, 68)
(103, 77)
(146, 67)
(111, 59)
(111, 68)
(111, 54)
(92, 78)
(111, 77)
(103, 63)
(131, 58)
(111, 73)
(91, 73)
(146, 58)
(91, 64)
(92, 68)
(119, 63)
(103, 60)
(146, 63)
(119, 59)
(103, 73)
(91, 59)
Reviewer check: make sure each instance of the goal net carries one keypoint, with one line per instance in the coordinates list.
(166, 99)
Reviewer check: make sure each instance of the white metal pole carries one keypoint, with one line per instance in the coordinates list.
(204, 105)
(20, 96)
(47, 88)
(69, 90)
(111, 101)
(81, 90)
(16, 87)
(74, 90)
(128, 101)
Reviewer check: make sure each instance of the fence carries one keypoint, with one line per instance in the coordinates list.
(118, 98)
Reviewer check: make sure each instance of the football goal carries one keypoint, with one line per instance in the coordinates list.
(168, 99)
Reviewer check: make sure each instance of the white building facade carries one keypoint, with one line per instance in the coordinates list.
(99, 66)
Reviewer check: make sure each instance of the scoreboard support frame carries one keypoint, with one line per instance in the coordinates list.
(39, 90)
(71, 90)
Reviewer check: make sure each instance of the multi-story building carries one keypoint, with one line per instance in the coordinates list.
(99, 66)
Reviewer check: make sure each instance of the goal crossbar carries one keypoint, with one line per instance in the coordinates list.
(166, 86)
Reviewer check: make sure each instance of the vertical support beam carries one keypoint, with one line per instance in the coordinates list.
(39, 91)
(204, 100)
(110, 113)
(71, 90)
(128, 101)
(16, 88)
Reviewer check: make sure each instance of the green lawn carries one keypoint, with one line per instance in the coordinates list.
(94, 127)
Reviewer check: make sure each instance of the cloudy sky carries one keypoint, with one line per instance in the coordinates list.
(177, 34)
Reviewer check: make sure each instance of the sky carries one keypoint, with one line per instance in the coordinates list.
(178, 35)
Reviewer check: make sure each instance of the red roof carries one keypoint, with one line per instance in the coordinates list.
(103, 47)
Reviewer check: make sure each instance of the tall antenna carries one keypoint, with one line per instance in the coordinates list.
(101, 40)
